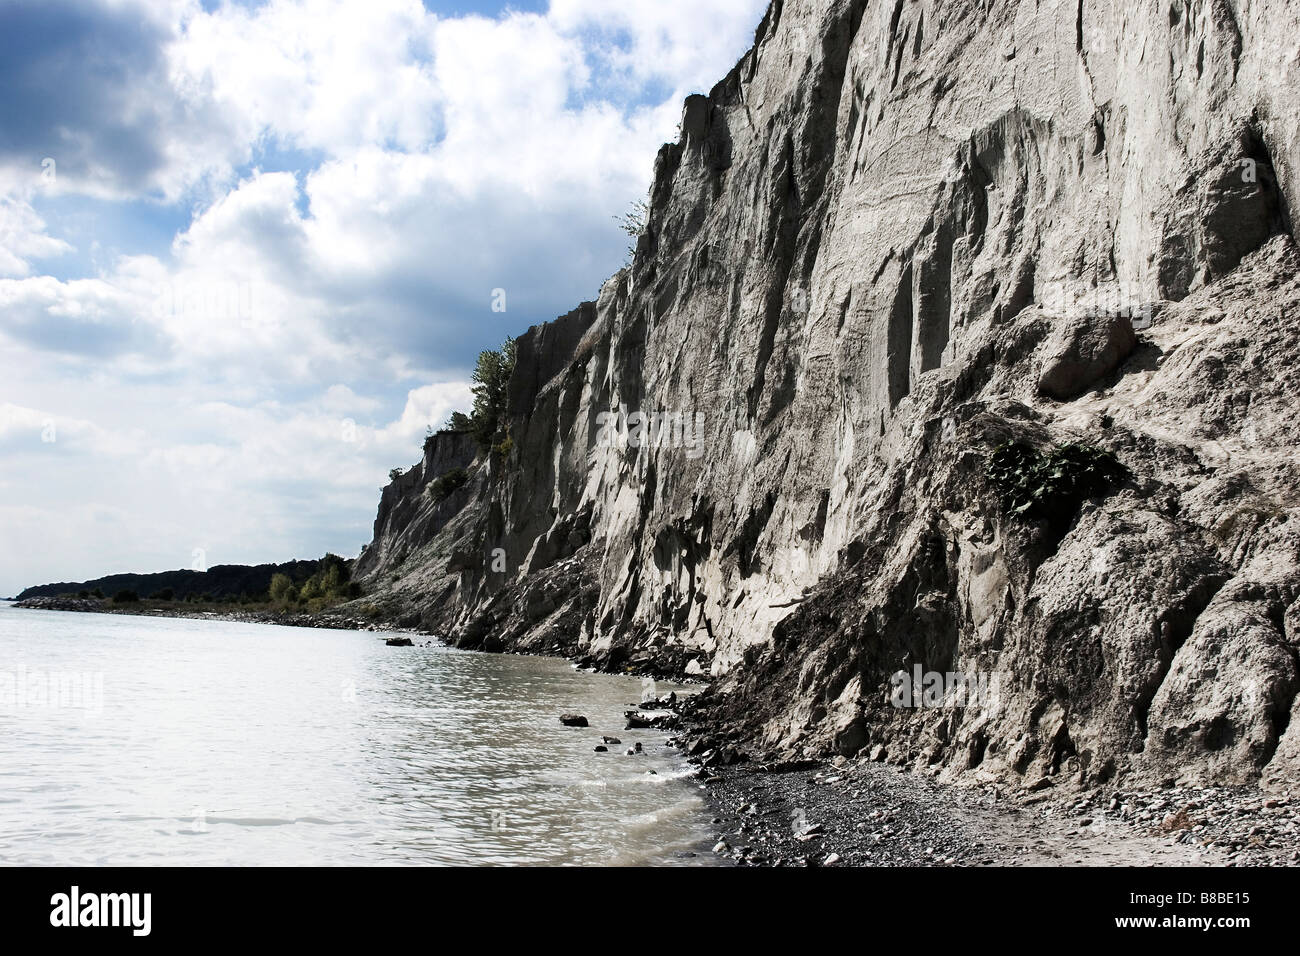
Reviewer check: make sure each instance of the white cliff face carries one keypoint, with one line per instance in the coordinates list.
(896, 235)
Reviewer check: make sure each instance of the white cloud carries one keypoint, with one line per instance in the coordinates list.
(427, 407)
(246, 386)
(23, 238)
(31, 429)
(246, 483)
(677, 41)
(322, 74)
(342, 400)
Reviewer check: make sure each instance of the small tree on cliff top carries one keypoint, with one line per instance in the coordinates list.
(491, 381)
(633, 222)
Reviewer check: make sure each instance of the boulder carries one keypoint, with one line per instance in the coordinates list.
(1082, 349)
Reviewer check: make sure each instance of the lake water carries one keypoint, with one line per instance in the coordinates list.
(147, 740)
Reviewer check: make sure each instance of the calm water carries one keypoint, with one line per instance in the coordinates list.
(130, 740)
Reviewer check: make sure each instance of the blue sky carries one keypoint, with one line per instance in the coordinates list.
(248, 250)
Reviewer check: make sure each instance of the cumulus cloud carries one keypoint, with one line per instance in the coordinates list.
(23, 238)
(242, 482)
(352, 184)
(672, 41)
(89, 86)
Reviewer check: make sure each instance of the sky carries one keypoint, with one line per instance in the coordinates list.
(249, 250)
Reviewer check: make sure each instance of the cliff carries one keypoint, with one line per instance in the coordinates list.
(897, 236)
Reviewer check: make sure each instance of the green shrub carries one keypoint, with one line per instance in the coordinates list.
(442, 487)
(125, 597)
(488, 421)
(332, 582)
(280, 587)
(166, 594)
(491, 384)
(633, 222)
(459, 422)
(1051, 487)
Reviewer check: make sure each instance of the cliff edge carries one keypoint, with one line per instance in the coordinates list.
(899, 240)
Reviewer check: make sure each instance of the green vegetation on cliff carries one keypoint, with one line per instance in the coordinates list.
(487, 419)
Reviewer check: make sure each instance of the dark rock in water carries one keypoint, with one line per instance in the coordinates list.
(639, 721)
(601, 749)
(399, 642)
(573, 720)
(696, 747)
(638, 748)
(660, 703)
(611, 740)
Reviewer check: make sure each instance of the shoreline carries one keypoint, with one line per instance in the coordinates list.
(856, 812)
(208, 612)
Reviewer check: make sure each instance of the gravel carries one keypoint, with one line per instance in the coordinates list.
(859, 813)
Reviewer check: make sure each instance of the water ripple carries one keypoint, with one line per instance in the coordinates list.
(218, 743)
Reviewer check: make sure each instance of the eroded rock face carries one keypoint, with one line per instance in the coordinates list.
(895, 236)
(1225, 705)
(1082, 350)
(409, 515)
